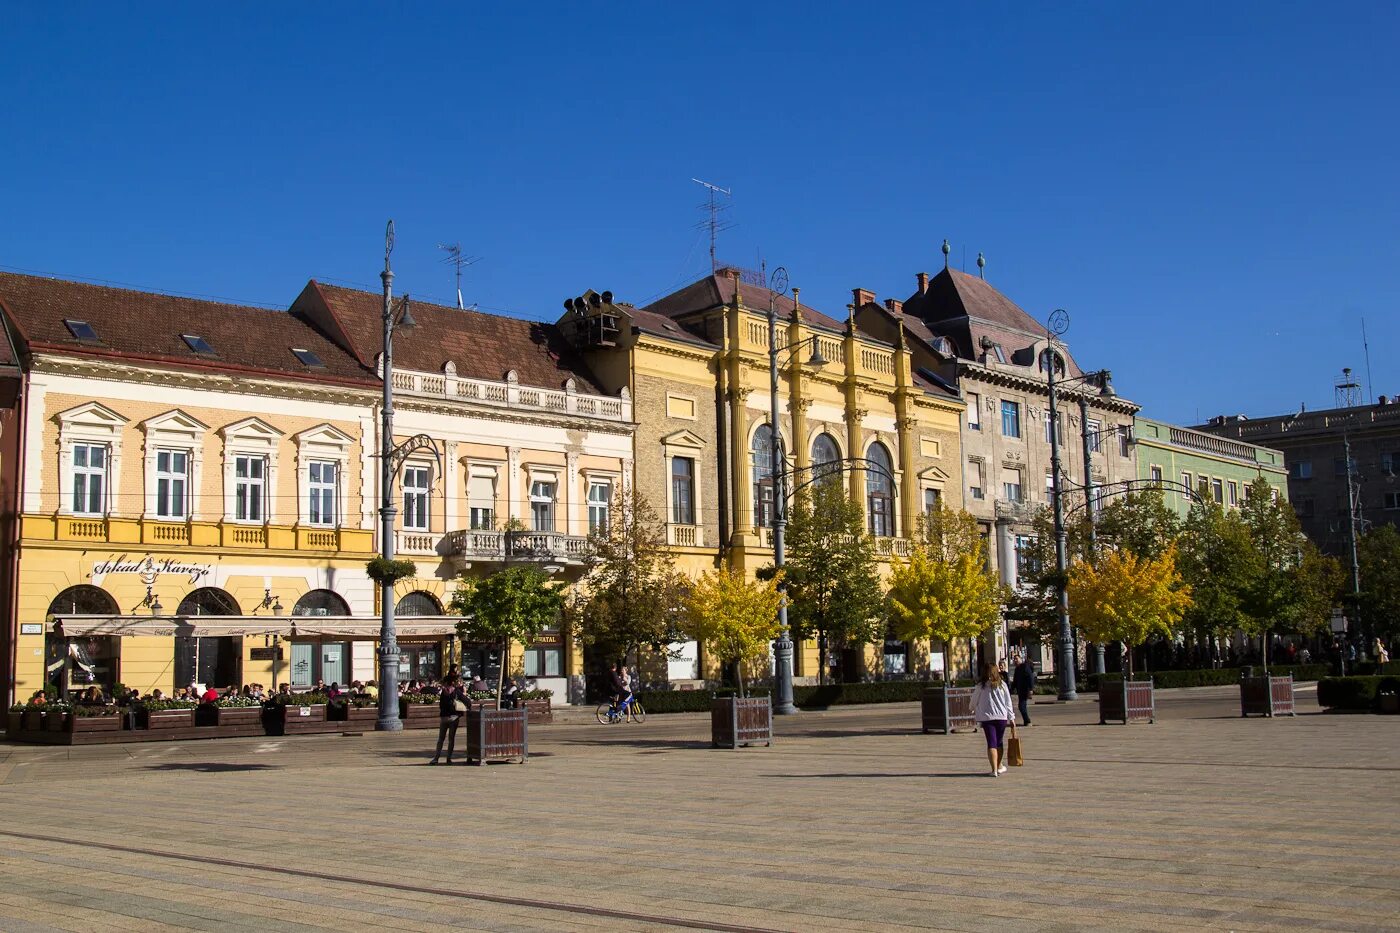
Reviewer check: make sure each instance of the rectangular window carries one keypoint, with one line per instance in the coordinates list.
(1050, 488)
(172, 478)
(1339, 466)
(248, 488)
(89, 479)
(481, 499)
(322, 485)
(682, 491)
(1186, 487)
(1390, 464)
(1011, 419)
(1125, 441)
(599, 503)
(1095, 431)
(416, 483)
(1025, 556)
(1156, 474)
(933, 500)
(1011, 485)
(1060, 424)
(1234, 493)
(1300, 469)
(542, 505)
(974, 411)
(1217, 490)
(544, 662)
(1304, 507)
(975, 479)
(1392, 500)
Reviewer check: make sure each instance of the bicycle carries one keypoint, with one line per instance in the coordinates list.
(630, 711)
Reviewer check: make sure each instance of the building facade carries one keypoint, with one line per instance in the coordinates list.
(1331, 491)
(1181, 459)
(696, 363)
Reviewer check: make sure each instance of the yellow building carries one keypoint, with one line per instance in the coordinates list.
(190, 488)
(696, 364)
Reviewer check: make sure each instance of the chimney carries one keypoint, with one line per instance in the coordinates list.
(894, 306)
(1383, 400)
(862, 297)
(923, 283)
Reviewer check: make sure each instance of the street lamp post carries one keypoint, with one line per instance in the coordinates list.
(1089, 503)
(1065, 660)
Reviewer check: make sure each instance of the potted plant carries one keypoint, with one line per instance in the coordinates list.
(537, 705)
(57, 715)
(15, 722)
(86, 719)
(418, 710)
(166, 714)
(304, 712)
(353, 708)
(735, 619)
(511, 605)
(387, 572)
(944, 591)
(237, 711)
(1124, 597)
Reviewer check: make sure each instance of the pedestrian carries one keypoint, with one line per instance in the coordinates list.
(991, 702)
(452, 706)
(1023, 682)
(1382, 655)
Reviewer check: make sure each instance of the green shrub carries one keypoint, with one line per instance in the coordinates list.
(537, 694)
(677, 701)
(234, 701)
(306, 699)
(1350, 693)
(168, 704)
(86, 711)
(1300, 672)
(428, 697)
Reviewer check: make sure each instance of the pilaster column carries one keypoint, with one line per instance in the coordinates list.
(909, 492)
(739, 461)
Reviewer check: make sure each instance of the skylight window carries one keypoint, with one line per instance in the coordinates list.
(198, 344)
(306, 357)
(81, 330)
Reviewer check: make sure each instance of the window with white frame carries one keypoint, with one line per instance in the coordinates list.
(1234, 493)
(1050, 488)
(417, 481)
(1217, 490)
(1156, 475)
(1186, 487)
(250, 487)
(1095, 431)
(599, 504)
(322, 483)
(542, 504)
(933, 500)
(481, 500)
(1011, 484)
(89, 479)
(172, 483)
(976, 481)
(974, 411)
(1059, 423)
(1125, 441)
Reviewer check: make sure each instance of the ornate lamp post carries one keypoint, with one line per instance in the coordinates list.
(782, 647)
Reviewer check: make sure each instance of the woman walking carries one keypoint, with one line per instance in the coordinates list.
(452, 706)
(991, 703)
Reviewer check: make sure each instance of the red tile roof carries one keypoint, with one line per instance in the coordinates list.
(718, 289)
(147, 326)
(482, 346)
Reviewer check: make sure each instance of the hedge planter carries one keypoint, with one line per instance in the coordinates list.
(497, 735)
(418, 715)
(1126, 701)
(57, 721)
(736, 721)
(165, 719)
(311, 718)
(80, 725)
(32, 720)
(14, 723)
(1267, 696)
(358, 715)
(540, 711)
(948, 709)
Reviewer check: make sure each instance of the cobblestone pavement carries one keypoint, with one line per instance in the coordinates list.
(852, 820)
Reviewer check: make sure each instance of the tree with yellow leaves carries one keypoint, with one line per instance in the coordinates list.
(944, 595)
(733, 617)
(1123, 597)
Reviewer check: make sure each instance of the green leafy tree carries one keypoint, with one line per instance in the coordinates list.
(1036, 601)
(513, 604)
(630, 594)
(1123, 597)
(1220, 563)
(1378, 553)
(944, 595)
(734, 618)
(1139, 522)
(833, 587)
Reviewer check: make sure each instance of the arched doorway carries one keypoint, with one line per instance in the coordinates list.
(317, 661)
(418, 603)
(321, 603)
(420, 659)
(208, 660)
(78, 662)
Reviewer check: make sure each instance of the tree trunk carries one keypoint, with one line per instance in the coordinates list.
(739, 669)
(1127, 660)
(501, 671)
(947, 664)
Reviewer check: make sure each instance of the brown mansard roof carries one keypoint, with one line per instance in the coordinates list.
(718, 289)
(482, 346)
(147, 326)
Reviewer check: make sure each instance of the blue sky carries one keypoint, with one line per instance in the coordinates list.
(1209, 189)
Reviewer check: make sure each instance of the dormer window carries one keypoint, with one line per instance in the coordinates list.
(81, 330)
(1045, 363)
(198, 344)
(307, 358)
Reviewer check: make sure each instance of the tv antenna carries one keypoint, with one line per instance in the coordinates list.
(1366, 347)
(1348, 391)
(455, 258)
(714, 208)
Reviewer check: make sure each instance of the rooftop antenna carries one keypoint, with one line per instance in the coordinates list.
(714, 208)
(1348, 391)
(1366, 346)
(455, 258)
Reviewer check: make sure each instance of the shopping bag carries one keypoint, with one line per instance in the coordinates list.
(1013, 751)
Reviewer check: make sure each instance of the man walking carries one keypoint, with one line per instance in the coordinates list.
(1023, 682)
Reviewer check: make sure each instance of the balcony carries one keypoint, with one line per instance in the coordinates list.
(684, 536)
(540, 546)
(887, 548)
(410, 543)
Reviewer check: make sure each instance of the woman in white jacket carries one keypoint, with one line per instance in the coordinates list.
(991, 703)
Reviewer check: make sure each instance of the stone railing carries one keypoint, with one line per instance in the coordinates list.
(517, 545)
(415, 542)
(893, 547)
(1022, 511)
(1211, 444)
(509, 393)
(684, 536)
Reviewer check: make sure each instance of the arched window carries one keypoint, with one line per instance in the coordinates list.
(208, 601)
(826, 458)
(879, 491)
(418, 603)
(84, 600)
(762, 449)
(1045, 363)
(321, 603)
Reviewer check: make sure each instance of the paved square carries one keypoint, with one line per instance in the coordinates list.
(852, 820)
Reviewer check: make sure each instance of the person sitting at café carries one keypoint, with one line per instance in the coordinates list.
(210, 695)
(38, 699)
(333, 692)
(157, 694)
(92, 696)
(371, 690)
(479, 685)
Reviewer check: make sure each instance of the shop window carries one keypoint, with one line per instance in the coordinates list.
(203, 660)
(418, 603)
(544, 661)
(321, 603)
(316, 662)
(416, 484)
(420, 661)
(880, 491)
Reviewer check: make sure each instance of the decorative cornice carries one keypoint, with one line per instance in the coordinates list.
(514, 415)
(204, 381)
(975, 372)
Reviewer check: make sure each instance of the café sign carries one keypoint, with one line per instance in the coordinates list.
(149, 568)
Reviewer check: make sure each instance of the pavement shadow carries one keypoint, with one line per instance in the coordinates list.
(886, 774)
(210, 767)
(677, 744)
(849, 733)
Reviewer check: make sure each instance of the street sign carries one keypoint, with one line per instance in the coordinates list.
(1339, 621)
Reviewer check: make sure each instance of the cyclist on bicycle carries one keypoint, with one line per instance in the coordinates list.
(621, 691)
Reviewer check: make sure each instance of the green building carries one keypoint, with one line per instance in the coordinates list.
(1178, 456)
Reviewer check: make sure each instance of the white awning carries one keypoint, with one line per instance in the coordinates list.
(346, 627)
